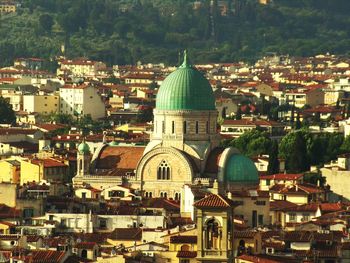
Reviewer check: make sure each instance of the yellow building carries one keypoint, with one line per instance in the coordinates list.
(41, 103)
(49, 169)
(10, 171)
(7, 7)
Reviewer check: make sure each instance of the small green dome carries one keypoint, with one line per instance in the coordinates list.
(241, 169)
(84, 148)
(113, 143)
(185, 89)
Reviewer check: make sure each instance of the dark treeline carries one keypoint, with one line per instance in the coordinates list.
(120, 32)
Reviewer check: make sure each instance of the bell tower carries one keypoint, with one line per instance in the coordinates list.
(215, 229)
(83, 159)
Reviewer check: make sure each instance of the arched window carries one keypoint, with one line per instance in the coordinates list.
(163, 171)
(163, 126)
(173, 127)
(184, 127)
(80, 164)
(207, 128)
(177, 196)
(163, 194)
(197, 127)
(212, 234)
(84, 253)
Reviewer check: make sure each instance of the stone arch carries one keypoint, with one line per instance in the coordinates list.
(163, 150)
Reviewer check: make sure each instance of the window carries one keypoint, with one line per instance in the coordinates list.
(261, 220)
(172, 127)
(197, 127)
(292, 217)
(268, 182)
(177, 196)
(260, 202)
(163, 126)
(28, 212)
(83, 195)
(184, 261)
(207, 127)
(306, 217)
(103, 223)
(163, 172)
(163, 194)
(184, 127)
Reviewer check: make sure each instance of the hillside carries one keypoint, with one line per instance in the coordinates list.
(118, 31)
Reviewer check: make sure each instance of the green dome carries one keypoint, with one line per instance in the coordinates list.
(113, 143)
(83, 148)
(241, 169)
(185, 89)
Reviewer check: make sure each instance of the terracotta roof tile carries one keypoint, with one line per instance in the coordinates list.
(212, 164)
(85, 245)
(46, 256)
(120, 157)
(214, 200)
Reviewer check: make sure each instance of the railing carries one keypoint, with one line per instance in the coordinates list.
(212, 253)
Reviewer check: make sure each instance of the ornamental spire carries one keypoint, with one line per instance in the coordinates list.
(185, 63)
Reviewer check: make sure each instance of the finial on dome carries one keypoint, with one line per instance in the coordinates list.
(185, 63)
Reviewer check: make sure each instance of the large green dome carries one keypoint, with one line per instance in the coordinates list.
(185, 89)
(84, 148)
(241, 169)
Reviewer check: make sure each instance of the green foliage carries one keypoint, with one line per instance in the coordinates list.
(145, 115)
(315, 179)
(297, 160)
(46, 22)
(252, 143)
(319, 148)
(119, 31)
(274, 164)
(7, 115)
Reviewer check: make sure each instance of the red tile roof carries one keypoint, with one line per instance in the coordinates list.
(120, 157)
(85, 245)
(46, 256)
(9, 212)
(214, 201)
(281, 176)
(212, 164)
(48, 163)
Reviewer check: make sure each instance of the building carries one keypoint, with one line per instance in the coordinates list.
(80, 100)
(8, 6)
(47, 169)
(80, 67)
(43, 104)
(184, 146)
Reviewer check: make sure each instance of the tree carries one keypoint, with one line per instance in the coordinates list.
(252, 143)
(46, 22)
(7, 115)
(298, 122)
(239, 113)
(298, 158)
(274, 164)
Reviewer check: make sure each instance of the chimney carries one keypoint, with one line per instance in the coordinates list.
(215, 187)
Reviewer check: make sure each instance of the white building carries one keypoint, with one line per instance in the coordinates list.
(81, 100)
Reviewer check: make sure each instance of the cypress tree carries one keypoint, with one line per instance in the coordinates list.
(298, 159)
(274, 164)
